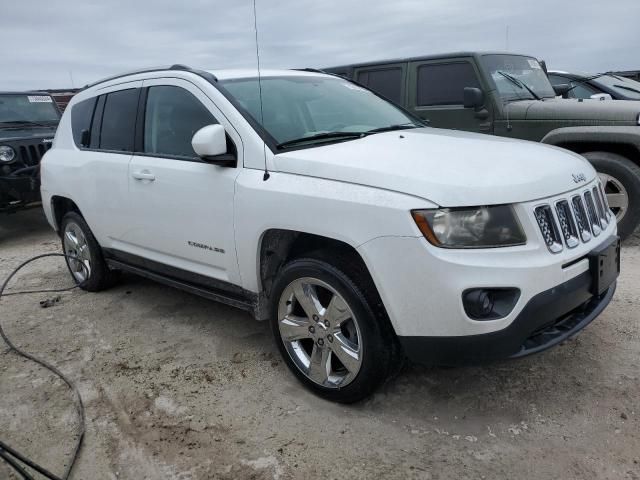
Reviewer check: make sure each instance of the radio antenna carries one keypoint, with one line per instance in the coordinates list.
(264, 146)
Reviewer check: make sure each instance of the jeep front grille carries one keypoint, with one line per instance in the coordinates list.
(32, 154)
(574, 220)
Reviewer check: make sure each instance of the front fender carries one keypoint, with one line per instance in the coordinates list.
(350, 213)
(624, 135)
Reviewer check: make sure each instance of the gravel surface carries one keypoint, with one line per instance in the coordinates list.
(178, 387)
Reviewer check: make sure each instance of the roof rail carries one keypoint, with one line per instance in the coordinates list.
(308, 69)
(184, 68)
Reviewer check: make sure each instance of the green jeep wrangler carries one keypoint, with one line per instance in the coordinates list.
(510, 95)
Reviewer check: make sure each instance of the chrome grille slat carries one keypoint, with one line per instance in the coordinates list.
(549, 229)
(567, 224)
(600, 207)
(580, 215)
(594, 219)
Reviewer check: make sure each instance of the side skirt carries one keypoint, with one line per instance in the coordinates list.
(244, 300)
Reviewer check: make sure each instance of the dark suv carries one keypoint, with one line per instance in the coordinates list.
(510, 95)
(28, 122)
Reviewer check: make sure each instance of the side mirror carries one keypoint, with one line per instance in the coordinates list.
(473, 98)
(210, 144)
(562, 89)
(601, 96)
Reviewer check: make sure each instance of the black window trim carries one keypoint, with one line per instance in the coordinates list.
(402, 66)
(451, 61)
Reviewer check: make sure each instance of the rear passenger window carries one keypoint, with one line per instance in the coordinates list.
(444, 84)
(81, 114)
(386, 82)
(119, 120)
(172, 117)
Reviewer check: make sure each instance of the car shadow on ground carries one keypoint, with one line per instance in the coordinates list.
(22, 225)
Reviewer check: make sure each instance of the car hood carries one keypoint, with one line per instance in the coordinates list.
(593, 111)
(447, 167)
(9, 134)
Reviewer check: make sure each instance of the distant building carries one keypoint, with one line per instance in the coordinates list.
(62, 96)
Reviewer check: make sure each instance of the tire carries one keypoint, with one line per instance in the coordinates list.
(622, 177)
(362, 327)
(78, 240)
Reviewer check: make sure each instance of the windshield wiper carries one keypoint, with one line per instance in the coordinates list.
(391, 128)
(320, 136)
(25, 122)
(518, 83)
(579, 81)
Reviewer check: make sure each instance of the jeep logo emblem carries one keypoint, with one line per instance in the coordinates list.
(579, 177)
(47, 141)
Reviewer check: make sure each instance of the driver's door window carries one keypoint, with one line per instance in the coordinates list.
(172, 117)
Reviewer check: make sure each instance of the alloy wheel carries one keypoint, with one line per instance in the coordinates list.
(320, 332)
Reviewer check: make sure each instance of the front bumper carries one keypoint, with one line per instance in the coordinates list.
(18, 190)
(546, 320)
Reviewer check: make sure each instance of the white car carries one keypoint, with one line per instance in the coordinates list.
(361, 235)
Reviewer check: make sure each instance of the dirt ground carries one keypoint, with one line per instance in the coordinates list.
(178, 387)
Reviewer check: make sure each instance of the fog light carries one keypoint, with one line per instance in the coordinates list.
(489, 303)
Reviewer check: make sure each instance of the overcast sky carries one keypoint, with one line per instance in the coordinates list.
(44, 43)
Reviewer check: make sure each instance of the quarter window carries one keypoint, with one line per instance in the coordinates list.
(444, 84)
(119, 120)
(386, 82)
(81, 114)
(172, 117)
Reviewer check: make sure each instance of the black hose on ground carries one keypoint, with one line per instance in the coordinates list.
(8, 454)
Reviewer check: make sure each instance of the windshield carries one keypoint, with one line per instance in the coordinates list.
(509, 70)
(28, 109)
(624, 86)
(298, 107)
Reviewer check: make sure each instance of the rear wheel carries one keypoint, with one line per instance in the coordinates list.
(620, 178)
(84, 255)
(328, 331)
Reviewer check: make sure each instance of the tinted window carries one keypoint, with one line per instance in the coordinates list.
(119, 120)
(580, 90)
(172, 117)
(444, 84)
(387, 82)
(81, 114)
(557, 80)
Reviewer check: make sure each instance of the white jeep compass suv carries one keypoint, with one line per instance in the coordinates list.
(310, 201)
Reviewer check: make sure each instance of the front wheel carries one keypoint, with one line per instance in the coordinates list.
(329, 332)
(620, 178)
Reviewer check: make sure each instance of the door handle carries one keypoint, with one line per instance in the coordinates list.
(144, 175)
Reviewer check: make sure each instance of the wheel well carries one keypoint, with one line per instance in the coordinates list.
(60, 207)
(626, 150)
(280, 246)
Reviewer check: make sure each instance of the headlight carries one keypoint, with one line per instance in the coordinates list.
(472, 227)
(7, 154)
